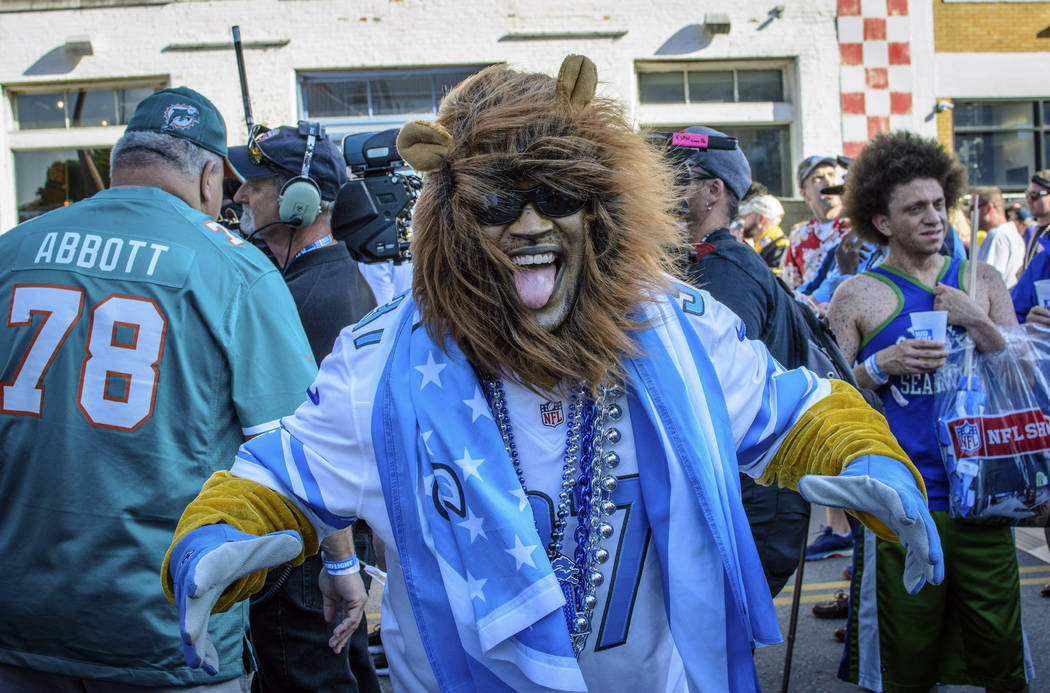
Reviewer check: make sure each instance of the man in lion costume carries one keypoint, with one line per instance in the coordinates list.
(547, 432)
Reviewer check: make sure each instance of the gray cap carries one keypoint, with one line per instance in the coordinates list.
(730, 165)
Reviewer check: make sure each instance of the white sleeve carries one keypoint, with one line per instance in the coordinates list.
(763, 399)
(321, 457)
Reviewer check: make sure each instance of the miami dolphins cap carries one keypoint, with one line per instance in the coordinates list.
(182, 112)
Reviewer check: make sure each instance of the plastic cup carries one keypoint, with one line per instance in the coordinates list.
(930, 324)
(1042, 292)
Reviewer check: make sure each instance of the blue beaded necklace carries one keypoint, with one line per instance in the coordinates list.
(578, 576)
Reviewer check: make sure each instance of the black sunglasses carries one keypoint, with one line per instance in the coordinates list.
(504, 206)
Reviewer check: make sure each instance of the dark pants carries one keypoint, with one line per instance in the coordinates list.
(779, 520)
(291, 637)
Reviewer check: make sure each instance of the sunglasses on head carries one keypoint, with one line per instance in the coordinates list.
(254, 151)
(698, 174)
(504, 206)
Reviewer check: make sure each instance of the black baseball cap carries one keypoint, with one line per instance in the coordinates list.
(182, 112)
(282, 150)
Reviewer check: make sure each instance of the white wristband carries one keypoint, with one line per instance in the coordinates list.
(347, 566)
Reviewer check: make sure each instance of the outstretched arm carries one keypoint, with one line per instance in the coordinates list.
(841, 453)
(226, 540)
(250, 508)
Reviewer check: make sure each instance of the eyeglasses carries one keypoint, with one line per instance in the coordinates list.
(698, 174)
(1034, 195)
(504, 206)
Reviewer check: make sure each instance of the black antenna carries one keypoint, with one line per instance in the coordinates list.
(244, 80)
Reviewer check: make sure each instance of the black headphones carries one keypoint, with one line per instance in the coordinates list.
(299, 201)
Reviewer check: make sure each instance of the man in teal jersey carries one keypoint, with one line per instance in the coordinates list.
(966, 631)
(143, 342)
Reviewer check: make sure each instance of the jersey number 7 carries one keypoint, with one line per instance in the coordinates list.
(118, 376)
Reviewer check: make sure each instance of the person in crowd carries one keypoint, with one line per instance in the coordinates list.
(813, 239)
(143, 343)
(760, 216)
(741, 280)
(1028, 310)
(1025, 300)
(288, 621)
(968, 630)
(1002, 248)
(1038, 197)
(490, 427)
(1021, 218)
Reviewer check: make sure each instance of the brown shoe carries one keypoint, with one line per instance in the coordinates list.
(1046, 590)
(840, 633)
(835, 608)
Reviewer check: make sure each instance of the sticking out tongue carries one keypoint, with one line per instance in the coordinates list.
(535, 284)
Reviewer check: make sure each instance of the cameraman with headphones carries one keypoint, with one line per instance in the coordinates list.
(292, 176)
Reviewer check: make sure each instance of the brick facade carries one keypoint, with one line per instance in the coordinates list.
(991, 27)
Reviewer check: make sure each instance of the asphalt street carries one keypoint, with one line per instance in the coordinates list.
(816, 656)
(815, 661)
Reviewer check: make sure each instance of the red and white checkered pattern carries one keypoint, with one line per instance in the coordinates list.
(876, 74)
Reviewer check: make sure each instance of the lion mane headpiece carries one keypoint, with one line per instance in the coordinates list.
(501, 128)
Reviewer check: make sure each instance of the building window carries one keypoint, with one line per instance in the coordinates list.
(73, 108)
(710, 86)
(50, 178)
(354, 100)
(1002, 143)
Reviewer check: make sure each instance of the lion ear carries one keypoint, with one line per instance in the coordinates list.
(423, 145)
(577, 80)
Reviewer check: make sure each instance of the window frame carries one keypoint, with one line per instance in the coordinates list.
(784, 66)
(14, 91)
(341, 125)
(1038, 128)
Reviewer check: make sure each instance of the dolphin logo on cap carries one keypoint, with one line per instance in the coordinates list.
(180, 116)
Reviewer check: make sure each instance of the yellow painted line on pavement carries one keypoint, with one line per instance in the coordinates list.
(785, 597)
(804, 599)
(840, 585)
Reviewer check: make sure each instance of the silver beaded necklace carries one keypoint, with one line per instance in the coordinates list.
(588, 456)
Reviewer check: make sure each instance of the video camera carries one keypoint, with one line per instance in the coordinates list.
(373, 212)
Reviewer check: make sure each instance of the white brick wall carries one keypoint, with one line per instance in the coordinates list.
(324, 34)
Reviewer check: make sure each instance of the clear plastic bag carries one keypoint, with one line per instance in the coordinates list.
(994, 430)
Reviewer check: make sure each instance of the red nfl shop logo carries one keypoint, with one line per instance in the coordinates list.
(551, 414)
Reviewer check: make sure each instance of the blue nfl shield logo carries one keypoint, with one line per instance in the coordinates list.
(551, 414)
(969, 437)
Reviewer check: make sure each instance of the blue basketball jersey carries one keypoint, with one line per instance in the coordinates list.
(909, 398)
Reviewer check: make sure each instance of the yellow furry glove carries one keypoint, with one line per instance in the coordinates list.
(249, 507)
(832, 433)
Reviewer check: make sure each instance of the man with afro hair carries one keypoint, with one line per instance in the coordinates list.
(966, 631)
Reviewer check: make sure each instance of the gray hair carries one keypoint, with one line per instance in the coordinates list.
(147, 148)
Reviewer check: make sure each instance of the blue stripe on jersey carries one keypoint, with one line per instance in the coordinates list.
(267, 451)
(368, 338)
(780, 408)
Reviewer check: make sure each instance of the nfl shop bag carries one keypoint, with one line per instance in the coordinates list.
(995, 430)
